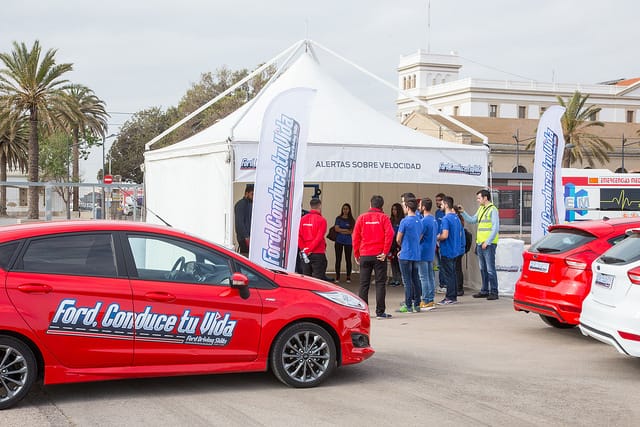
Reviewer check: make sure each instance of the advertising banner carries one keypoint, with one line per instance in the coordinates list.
(279, 182)
(547, 205)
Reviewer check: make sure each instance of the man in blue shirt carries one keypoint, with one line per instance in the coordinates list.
(439, 214)
(408, 238)
(427, 254)
(450, 249)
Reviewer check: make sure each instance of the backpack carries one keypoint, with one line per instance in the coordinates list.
(468, 240)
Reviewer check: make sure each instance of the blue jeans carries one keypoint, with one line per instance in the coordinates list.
(448, 270)
(487, 261)
(411, 280)
(427, 280)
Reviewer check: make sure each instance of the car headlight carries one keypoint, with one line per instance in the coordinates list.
(343, 298)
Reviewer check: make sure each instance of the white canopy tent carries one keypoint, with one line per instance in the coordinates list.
(191, 183)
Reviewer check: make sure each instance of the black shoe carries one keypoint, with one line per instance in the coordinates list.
(460, 293)
(492, 297)
(480, 295)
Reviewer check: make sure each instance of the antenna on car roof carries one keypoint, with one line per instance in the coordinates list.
(157, 216)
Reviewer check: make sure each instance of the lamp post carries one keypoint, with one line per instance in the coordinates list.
(625, 143)
(516, 137)
(104, 202)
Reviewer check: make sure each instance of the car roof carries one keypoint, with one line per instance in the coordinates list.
(32, 229)
(599, 227)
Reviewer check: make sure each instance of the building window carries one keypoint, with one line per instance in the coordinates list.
(455, 110)
(519, 169)
(522, 112)
(404, 82)
(629, 116)
(542, 110)
(493, 110)
(413, 84)
(592, 117)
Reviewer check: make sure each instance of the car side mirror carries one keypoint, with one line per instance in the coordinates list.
(240, 282)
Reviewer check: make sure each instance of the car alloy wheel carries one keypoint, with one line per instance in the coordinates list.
(17, 371)
(304, 355)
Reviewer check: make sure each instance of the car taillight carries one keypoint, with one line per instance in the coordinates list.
(634, 275)
(581, 261)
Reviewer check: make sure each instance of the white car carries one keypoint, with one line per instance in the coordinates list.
(611, 311)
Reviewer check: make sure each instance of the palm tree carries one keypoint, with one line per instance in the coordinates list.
(13, 147)
(33, 84)
(576, 121)
(87, 119)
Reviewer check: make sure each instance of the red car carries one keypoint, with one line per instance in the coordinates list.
(556, 274)
(100, 300)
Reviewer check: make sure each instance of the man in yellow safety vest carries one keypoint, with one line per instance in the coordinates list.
(488, 221)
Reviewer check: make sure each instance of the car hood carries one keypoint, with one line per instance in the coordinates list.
(298, 281)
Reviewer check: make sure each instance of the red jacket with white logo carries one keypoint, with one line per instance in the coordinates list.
(372, 234)
(313, 227)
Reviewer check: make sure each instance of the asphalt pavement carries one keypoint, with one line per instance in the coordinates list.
(477, 363)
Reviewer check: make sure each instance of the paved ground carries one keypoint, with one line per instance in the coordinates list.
(476, 363)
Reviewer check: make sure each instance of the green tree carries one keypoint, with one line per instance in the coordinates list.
(14, 136)
(55, 160)
(33, 83)
(86, 118)
(127, 152)
(576, 125)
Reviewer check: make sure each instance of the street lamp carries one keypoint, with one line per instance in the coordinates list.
(104, 205)
(624, 144)
(516, 137)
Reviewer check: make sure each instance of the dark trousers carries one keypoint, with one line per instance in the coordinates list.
(459, 276)
(316, 267)
(347, 258)
(244, 248)
(448, 270)
(369, 264)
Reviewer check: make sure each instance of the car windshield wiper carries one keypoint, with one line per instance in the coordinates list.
(611, 260)
(547, 250)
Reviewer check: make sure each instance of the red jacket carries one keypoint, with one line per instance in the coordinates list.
(313, 227)
(372, 234)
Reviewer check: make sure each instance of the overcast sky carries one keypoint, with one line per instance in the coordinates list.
(140, 53)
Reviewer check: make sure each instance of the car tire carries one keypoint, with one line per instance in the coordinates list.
(303, 355)
(552, 321)
(18, 371)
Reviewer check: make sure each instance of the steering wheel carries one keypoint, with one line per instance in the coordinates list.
(179, 264)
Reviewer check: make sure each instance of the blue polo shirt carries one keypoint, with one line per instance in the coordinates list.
(450, 247)
(428, 242)
(411, 229)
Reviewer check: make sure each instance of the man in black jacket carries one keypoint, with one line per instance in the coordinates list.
(242, 213)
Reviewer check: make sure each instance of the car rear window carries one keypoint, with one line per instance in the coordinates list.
(624, 252)
(6, 253)
(561, 240)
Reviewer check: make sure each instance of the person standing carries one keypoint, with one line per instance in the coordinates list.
(488, 220)
(408, 238)
(449, 239)
(427, 254)
(396, 216)
(372, 237)
(242, 214)
(463, 245)
(344, 227)
(311, 242)
(439, 214)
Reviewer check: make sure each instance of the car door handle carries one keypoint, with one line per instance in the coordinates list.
(160, 296)
(35, 288)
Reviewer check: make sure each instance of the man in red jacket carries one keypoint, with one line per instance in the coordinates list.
(372, 237)
(313, 228)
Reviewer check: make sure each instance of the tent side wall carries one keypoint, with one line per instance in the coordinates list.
(192, 192)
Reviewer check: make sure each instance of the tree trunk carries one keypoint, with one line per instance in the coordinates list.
(75, 174)
(34, 208)
(3, 189)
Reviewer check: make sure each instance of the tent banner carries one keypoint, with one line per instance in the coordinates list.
(279, 182)
(358, 163)
(547, 205)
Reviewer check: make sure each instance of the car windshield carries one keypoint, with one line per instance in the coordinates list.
(561, 240)
(624, 252)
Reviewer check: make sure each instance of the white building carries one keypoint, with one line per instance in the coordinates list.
(435, 79)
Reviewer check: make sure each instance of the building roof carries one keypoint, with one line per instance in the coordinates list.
(628, 82)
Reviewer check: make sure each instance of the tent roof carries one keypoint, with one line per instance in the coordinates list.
(337, 117)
